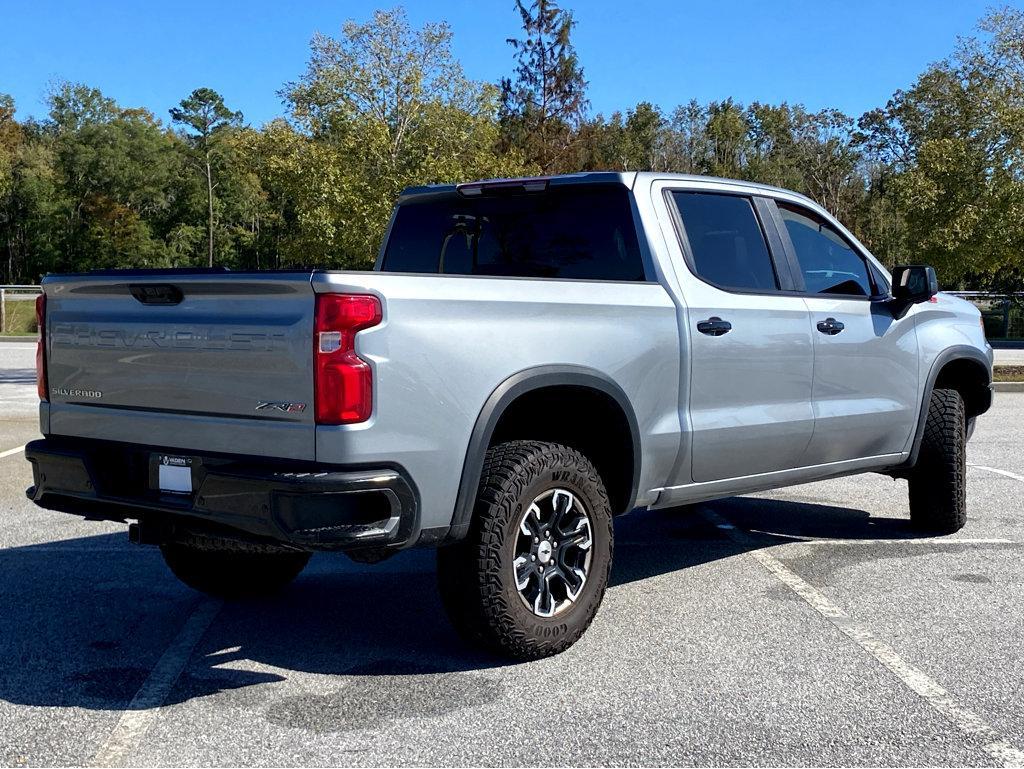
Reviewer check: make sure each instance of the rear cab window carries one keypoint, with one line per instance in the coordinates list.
(584, 232)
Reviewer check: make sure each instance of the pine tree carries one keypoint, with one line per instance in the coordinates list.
(544, 102)
(205, 113)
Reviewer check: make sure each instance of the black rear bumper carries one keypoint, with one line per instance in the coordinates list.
(306, 506)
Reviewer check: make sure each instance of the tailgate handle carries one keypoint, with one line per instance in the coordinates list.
(156, 293)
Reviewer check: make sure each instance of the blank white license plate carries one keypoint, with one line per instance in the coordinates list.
(174, 474)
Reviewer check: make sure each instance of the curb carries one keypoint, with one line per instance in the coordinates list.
(1008, 387)
(8, 338)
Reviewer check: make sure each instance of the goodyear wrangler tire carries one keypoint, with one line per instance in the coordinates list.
(529, 578)
(232, 570)
(938, 483)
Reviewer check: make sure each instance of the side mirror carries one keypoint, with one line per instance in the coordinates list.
(912, 284)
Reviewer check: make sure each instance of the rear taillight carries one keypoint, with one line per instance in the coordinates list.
(44, 393)
(344, 381)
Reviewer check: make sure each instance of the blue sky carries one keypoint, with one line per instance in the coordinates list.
(850, 55)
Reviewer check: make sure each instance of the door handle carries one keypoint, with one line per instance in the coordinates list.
(830, 326)
(714, 326)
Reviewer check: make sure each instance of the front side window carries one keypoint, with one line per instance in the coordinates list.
(728, 246)
(827, 261)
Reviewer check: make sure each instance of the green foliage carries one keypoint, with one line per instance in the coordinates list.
(950, 150)
(635, 143)
(381, 108)
(10, 138)
(544, 103)
(20, 318)
(783, 145)
(209, 124)
(90, 187)
(74, 106)
(205, 113)
(937, 175)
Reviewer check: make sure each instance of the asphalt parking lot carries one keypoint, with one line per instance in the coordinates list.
(805, 626)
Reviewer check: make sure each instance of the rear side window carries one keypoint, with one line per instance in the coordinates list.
(827, 261)
(726, 241)
(583, 232)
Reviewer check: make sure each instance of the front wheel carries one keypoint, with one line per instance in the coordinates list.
(938, 483)
(530, 576)
(232, 570)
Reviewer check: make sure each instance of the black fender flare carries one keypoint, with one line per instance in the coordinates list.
(504, 394)
(950, 354)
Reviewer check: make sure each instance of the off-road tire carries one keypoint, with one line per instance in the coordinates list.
(477, 583)
(232, 570)
(938, 482)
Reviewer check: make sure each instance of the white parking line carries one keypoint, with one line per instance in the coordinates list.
(11, 452)
(791, 540)
(997, 747)
(131, 728)
(787, 539)
(997, 471)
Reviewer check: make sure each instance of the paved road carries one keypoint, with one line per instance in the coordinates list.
(805, 626)
(18, 396)
(1009, 357)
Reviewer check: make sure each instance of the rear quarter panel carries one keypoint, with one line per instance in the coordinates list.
(447, 342)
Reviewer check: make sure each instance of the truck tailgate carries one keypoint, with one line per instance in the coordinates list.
(214, 361)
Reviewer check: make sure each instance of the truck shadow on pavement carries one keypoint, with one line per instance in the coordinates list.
(84, 621)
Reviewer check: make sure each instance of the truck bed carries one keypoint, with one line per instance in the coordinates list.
(192, 376)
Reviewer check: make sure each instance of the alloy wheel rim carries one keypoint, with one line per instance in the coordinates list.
(552, 552)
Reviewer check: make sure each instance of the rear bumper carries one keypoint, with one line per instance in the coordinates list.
(310, 507)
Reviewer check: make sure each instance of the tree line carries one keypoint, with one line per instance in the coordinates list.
(935, 175)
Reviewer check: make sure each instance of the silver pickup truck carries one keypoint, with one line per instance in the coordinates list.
(529, 359)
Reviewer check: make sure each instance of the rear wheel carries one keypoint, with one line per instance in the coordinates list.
(530, 576)
(233, 570)
(938, 483)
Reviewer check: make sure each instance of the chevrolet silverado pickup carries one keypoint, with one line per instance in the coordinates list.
(529, 359)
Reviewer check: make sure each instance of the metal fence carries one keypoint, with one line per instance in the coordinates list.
(12, 312)
(1003, 314)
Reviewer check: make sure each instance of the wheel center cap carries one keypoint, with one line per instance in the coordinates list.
(544, 551)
